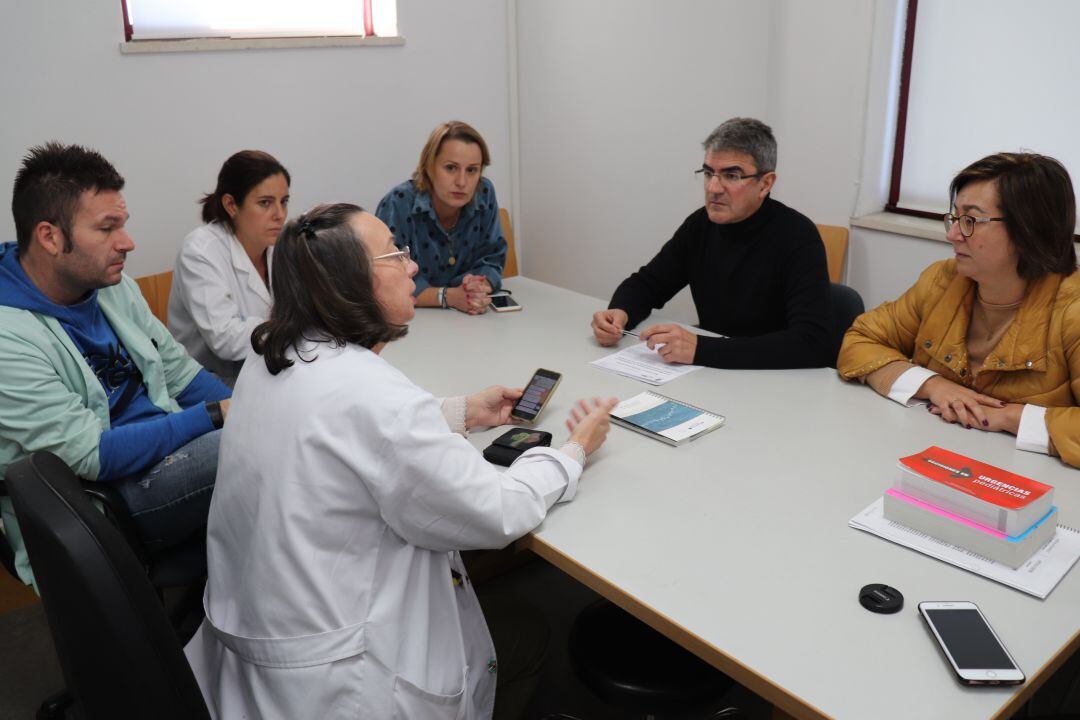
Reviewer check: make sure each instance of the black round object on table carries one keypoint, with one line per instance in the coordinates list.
(880, 598)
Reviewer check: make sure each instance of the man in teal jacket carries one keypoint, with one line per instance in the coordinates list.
(88, 373)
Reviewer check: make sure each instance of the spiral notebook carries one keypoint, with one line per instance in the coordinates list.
(1038, 576)
(662, 418)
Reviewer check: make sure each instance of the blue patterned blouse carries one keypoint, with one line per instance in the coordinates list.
(474, 246)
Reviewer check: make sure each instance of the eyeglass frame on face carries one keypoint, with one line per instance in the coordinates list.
(734, 175)
(403, 254)
(949, 219)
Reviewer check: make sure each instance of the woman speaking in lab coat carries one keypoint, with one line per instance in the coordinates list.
(344, 494)
(221, 284)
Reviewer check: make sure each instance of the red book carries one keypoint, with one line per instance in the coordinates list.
(982, 493)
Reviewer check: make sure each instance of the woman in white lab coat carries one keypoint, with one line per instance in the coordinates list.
(221, 282)
(344, 494)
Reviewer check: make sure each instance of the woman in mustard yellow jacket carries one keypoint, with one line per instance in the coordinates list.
(991, 338)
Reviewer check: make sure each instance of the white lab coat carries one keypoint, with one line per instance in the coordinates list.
(217, 299)
(342, 499)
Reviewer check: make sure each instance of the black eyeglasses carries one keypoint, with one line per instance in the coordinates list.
(727, 178)
(967, 222)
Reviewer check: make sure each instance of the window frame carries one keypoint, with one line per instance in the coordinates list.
(892, 204)
(899, 141)
(367, 33)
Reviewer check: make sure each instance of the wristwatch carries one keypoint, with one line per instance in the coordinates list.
(213, 409)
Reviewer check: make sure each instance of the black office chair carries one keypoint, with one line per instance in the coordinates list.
(180, 566)
(846, 304)
(637, 669)
(119, 655)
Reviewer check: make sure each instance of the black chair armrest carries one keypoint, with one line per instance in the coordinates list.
(116, 510)
(7, 555)
(114, 507)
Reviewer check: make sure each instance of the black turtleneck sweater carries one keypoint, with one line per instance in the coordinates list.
(763, 282)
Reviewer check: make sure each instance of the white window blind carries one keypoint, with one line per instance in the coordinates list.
(168, 19)
(988, 76)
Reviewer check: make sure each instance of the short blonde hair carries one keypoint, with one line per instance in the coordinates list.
(452, 130)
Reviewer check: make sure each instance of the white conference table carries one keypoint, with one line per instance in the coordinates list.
(736, 545)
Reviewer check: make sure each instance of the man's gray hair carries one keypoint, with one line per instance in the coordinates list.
(745, 135)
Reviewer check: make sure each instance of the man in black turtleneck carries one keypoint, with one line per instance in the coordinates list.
(755, 267)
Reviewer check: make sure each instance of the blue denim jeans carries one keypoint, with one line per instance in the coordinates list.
(171, 500)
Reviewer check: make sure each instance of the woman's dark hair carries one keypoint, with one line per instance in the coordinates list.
(1037, 200)
(323, 288)
(240, 173)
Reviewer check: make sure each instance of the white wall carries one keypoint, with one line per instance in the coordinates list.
(882, 265)
(615, 99)
(817, 103)
(348, 123)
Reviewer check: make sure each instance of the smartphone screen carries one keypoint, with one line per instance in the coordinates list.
(504, 302)
(969, 644)
(536, 394)
(969, 640)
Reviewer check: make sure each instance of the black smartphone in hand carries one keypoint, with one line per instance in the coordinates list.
(536, 395)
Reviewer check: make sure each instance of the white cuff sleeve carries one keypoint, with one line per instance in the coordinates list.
(453, 409)
(570, 466)
(908, 384)
(1032, 434)
(574, 450)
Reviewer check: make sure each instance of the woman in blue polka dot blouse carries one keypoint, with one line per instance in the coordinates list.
(447, 215)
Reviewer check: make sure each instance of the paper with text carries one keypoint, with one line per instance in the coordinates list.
(641, 363)
(1038, 576)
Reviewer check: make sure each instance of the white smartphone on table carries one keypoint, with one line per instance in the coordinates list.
(970, 645)
(503, 302)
